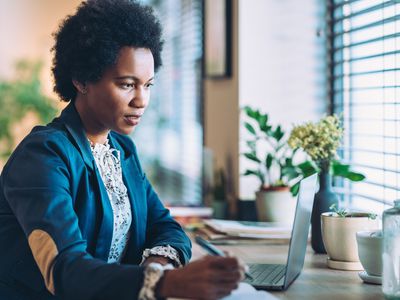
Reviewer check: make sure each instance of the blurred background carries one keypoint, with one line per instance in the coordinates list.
(295, 60)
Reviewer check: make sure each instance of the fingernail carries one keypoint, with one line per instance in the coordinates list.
(246, 268)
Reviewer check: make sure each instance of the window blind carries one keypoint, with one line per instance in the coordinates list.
(170, 138)
(364, 73)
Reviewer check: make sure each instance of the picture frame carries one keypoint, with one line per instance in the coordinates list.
(217, 38)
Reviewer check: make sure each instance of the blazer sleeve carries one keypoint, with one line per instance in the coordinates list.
(162, 229)
(36, 183)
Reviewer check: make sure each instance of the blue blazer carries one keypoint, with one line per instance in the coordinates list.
(51, 185)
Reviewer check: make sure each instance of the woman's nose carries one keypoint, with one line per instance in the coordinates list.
(140, 98)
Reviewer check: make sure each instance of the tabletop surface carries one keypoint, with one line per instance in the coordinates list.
(316, 281)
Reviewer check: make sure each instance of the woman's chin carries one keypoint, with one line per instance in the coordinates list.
(125, 130)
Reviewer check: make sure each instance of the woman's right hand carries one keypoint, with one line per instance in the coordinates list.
(211, 277)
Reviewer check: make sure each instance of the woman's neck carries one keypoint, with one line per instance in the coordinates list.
(92, 130)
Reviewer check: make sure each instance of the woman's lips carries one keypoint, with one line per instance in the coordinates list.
(132, 120)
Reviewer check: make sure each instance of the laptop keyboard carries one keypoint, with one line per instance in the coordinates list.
(266, 274)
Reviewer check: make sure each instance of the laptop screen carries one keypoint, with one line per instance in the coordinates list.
(301, 225)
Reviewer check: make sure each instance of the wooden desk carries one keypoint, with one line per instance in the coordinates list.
(316, 281)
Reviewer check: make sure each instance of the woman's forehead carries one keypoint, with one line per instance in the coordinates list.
(133, 62)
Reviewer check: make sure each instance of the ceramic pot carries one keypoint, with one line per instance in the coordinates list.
(339, 234)
(275, 206)
(370, 246)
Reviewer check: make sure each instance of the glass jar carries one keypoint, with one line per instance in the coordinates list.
(391, 252)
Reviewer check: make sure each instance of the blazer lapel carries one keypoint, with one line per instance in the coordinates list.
(72, 122)
(106, 228)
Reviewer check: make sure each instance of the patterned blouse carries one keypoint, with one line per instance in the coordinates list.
(109, 165)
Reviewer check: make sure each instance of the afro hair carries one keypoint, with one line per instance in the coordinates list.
(88, 42)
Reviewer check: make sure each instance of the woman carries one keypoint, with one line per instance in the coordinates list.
(78, 217)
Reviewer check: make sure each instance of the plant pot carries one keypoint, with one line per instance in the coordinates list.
(339, 237)
(275, 206)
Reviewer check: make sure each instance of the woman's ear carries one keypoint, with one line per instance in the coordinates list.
(79, 86)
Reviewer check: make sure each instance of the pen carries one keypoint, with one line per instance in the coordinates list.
(211, 249)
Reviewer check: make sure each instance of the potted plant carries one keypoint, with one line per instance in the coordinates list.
(219, 201)
(339, 230)
(320, 141)
(19, 98)
(275, 168)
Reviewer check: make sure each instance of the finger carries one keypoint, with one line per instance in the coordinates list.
(225, 277)
(229, 253)
(243, 268)
(242, 265)
(225, 262)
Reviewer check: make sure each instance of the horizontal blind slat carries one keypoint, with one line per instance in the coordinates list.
(364, 11)
(369, 41)
(366, 26)
(353, 59)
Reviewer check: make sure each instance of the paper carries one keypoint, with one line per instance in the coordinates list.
(247, 292)
(244, 292)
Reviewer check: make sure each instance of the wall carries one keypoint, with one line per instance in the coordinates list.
(26, 29)
(25, 32)
(221, 116)
(281, 65)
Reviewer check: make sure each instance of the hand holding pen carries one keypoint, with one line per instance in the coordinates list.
(211, 249)
(212, 277)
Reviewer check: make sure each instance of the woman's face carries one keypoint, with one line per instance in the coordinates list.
(119, 99)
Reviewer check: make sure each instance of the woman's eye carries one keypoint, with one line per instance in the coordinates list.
(149, 85)
(127, 85)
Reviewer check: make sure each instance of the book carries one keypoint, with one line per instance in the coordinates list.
(246, 229)
(190, 211)
(190, 217)
(219, 238)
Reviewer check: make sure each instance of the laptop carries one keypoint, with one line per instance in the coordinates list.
(279, 277)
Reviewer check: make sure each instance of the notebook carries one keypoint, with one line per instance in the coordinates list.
(279, 277)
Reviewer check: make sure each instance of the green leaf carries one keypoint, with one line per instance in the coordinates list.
(253, 157)
(308, 168)
(339, 169)
(254, 114)
(278, 133)
(353, 176)
(290, 172)
(249, 172)
(255, 173)
(343, 170)
(295, 189)
(268, 161)
(263, 123)
(250, 128)
(288, 162)
(266, 129)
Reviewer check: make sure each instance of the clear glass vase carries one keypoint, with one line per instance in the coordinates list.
(391, 252)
